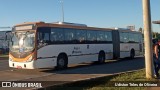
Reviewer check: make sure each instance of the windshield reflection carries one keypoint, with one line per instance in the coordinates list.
(22, 42)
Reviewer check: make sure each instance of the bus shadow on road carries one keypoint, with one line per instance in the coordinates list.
(109, 67)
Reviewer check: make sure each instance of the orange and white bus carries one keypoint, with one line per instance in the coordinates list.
(42, 45)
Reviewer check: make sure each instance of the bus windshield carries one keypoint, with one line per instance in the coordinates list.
(22, 41)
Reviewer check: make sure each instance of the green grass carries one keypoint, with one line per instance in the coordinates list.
(135, 76)
(105, 83)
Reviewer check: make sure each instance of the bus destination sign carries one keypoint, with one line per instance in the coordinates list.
(26, 27)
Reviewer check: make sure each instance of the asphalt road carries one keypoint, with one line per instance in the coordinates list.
(110, 67)
(4, 64)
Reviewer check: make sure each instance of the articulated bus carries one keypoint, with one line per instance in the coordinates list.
(44, 45)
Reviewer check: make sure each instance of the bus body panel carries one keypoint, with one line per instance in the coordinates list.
(47, 56)
(45, 63)
(76, 53)
(29, 65)
(39, 63)
(125, 49)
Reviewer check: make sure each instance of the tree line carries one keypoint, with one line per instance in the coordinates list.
(154, 34)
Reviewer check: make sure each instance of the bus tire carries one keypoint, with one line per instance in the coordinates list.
(62, 62)
(132, 54)
(101, 58)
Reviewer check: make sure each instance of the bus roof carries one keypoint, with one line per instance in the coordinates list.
(62, 24)
(70, 25)
(5, 30)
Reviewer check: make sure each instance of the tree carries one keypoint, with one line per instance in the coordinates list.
(156, 35)
(140, 30)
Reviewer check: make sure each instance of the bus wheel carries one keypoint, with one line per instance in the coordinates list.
(132, 54)
(61, 62)
(101, 58)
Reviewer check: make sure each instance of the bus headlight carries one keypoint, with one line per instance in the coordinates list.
(29, 59)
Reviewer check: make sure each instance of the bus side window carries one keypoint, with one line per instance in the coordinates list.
(81, 36)
(57, 36)
(70, 36)
(124, 38)
(92, 36)
(136, 38)
(46, 37)
(39, 36)
(43, 37)
(108, 36)
(131, 38)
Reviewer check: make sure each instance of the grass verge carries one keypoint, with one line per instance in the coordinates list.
(104, 83)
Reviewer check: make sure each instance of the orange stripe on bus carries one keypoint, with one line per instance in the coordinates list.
(21, 59)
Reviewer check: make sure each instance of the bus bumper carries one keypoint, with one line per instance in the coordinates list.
(26, 65)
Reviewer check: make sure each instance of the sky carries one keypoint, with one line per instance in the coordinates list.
(94, 13)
